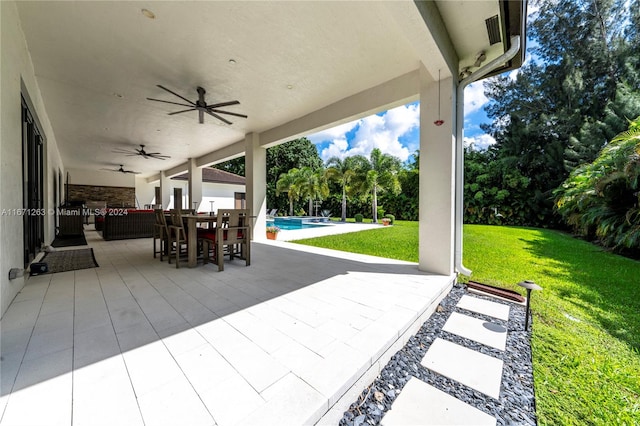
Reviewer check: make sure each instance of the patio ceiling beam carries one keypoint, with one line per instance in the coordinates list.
(169, 173)
(153, 178)
(398, 91)
(177, 170)
(427, 33)
(229, 152)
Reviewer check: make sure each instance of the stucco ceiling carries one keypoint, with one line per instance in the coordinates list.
(97, 62)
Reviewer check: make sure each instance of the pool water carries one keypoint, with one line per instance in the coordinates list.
(290, 224)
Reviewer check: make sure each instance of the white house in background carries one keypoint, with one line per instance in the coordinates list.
(220, 190)
(76, 77)
(226, 191)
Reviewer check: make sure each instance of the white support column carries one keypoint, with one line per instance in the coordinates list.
(165, 190)
(195, 185)
(437, 175)
(256, 184)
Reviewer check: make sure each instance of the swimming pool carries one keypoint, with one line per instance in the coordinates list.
(293, 223)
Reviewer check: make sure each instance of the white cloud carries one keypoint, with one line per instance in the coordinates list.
(333, 133)
(337, 148)
(376, 131)
(474, 98)
(479, 142)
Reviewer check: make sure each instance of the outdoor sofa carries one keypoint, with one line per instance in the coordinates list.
(121, 224)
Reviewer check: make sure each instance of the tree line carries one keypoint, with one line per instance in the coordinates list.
(556, 120)
(299, 183)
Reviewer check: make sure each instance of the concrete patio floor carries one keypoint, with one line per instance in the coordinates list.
(289, 340)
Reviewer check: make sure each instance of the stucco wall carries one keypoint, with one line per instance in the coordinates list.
(145, 192)
(17, 75)
(101, 178)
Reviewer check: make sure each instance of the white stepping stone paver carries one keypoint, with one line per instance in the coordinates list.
(485, 307)
(478, 330)
(474, 369)
(422, 404)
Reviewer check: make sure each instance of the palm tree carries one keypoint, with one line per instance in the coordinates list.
(287, 183)
(376, 174)
(602, 199)
(341, 171)
(312, 185)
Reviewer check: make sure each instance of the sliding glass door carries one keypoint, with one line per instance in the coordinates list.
(32, 185)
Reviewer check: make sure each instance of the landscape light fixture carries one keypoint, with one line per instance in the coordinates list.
(529, 285)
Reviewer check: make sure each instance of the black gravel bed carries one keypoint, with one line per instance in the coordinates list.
(516, 405)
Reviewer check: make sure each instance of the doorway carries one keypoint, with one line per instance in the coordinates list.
(240, 200)
(32, 185)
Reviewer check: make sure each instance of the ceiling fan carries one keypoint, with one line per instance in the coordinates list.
(121, 170)
(201, 106)
(141, 152)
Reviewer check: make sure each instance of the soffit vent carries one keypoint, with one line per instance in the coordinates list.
(493, 29)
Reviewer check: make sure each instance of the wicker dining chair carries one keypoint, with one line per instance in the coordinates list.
(177, 237)
(160, 232)
(231, 237)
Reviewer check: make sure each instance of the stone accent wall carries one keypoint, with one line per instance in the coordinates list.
(114, 196)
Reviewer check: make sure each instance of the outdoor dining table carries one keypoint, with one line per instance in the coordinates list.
(192, 234)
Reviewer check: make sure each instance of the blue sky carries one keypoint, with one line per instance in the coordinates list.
(397, 130)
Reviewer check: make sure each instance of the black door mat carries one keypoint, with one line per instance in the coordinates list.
(70, 260)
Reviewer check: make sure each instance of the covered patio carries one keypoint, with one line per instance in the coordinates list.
(284, 340)
(136, 341)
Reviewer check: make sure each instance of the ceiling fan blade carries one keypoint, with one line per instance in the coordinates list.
(160, 157)
(227, 112)
(223, 104)
(180, 112)
(218, 117)
(123, 151)
(201, 116)
(174, 93)
(168, 102)
(157, 155)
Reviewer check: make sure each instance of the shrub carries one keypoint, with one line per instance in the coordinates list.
(391, 218)
(358, 217)
(601, 199)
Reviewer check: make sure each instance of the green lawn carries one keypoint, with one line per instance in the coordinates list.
(586, 328)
